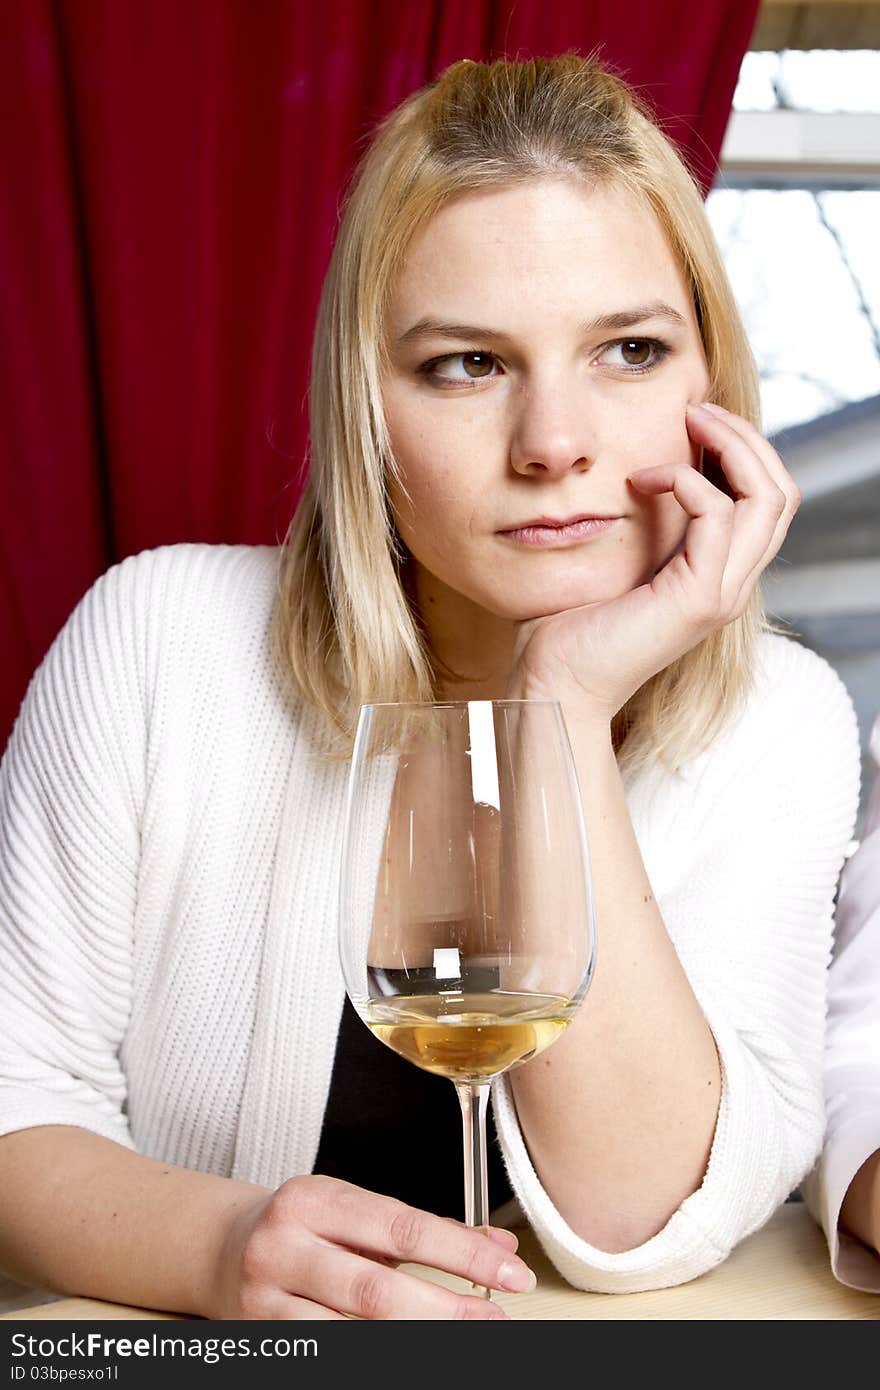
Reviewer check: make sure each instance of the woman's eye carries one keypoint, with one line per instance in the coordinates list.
(465, 368)
(476, 366)
(638, 354)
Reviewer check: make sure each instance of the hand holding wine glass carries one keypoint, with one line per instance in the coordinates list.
(320, 1249)
(467, 937)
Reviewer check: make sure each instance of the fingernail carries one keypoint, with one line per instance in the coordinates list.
(517, 1278)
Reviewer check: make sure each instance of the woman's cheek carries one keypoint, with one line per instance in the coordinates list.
(431, 522)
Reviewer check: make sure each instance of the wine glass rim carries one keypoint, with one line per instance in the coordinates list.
(447, 704)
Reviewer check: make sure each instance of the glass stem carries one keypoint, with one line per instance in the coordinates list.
(474, 1100)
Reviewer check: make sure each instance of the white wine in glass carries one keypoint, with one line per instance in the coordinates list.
(466, 927)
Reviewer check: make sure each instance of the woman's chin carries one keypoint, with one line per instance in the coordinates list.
(545, 605)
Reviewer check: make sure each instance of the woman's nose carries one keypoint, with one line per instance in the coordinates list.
(551, 434)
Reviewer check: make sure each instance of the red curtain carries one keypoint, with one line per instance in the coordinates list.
(171, 176)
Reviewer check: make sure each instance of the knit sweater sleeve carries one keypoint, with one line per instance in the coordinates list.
(852, 1055)
(759, 826)
(71, 783)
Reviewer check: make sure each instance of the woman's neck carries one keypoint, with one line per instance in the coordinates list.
(471, 648)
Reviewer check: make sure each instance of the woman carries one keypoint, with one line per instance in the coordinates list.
(172, 799)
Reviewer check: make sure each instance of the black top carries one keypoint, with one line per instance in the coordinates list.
(395, 1129)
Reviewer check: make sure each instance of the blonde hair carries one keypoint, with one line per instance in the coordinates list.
(344, 630)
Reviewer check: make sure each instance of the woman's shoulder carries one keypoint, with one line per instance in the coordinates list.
(198, 569)
(783, 656)
(797, 685)
(202, 594)
(788, 758)
(189, 615)
(798, 716)
(796, 710)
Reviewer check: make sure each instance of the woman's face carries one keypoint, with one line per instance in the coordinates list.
(536, 409)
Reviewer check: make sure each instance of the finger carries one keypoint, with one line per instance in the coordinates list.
(268, 1302)
(777, 470)
(284, 1308)
(747, 467)
(762, 447)
(762, 507)
(500, 1234)
(701, 560)
(767, 455)
(393, 1230)
(365, 1289)
(368, 1255)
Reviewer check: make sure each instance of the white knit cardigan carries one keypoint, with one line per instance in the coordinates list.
(169, 975)
(852, 1048)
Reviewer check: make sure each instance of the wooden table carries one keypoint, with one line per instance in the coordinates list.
(781, 1272)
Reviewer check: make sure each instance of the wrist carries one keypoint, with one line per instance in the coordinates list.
(581, 719)
(236, 1220)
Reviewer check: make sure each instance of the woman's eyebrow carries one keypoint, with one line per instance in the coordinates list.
(619, 319)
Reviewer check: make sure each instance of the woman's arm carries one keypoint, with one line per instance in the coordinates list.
(625, 1115)
(82, 1211)
(84, 1215)
(619, 1114)
(843, 1192)
(620, 1118)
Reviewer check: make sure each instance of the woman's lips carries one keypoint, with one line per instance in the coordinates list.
(550, 537)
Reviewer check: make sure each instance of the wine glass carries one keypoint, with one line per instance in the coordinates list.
(466, 915)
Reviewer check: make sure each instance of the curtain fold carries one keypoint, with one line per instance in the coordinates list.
(172, 175)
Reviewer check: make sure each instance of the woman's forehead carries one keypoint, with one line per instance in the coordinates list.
(557, 238)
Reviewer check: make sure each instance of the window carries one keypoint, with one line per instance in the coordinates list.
(796, 210)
